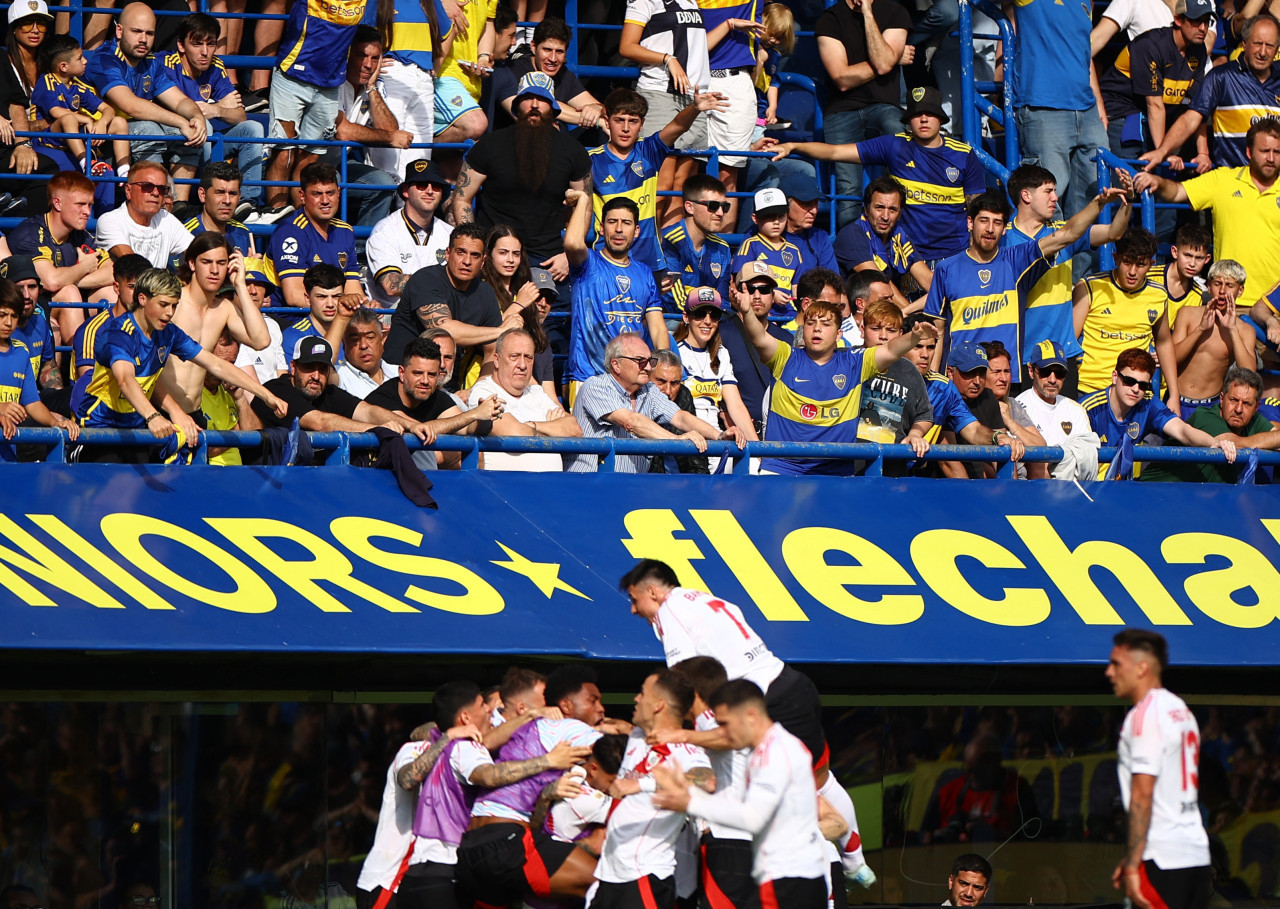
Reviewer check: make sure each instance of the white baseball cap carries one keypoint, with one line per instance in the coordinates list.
(24, 9)
(771, 198)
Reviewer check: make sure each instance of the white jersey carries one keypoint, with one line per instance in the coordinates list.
(691, 623)
(1161, 738)
(779, 808)
(463, 761)
(569, 819)
(396, 244)
(531, 407)
(705, 382)
(641, 839)
(550, 734)
(849, 849)
(1063, 419)
(394, 834)
(731, 775)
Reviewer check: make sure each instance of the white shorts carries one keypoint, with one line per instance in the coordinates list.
(663, 107)
(410, 95)
(731, 129)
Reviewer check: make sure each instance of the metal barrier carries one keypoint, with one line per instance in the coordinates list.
(972, 92)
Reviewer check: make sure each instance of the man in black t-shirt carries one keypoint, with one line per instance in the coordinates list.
(967, 369)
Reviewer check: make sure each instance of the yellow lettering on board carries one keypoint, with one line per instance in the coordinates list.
(99, 561)
(327, 564)
(935, 553)
(38, 561)
(751, 569)
(1069, 570)
(653, 537)
(1211, 591)
(479, 596)
(125, 531)
(805, 552)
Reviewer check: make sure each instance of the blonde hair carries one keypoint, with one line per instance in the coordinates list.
(780, 24)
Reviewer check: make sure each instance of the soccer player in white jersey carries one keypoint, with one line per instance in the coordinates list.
(778, 806)
(693, 623)
(1166, 861)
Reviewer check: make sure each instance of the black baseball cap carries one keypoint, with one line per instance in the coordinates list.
(312, 350)
(19, 268)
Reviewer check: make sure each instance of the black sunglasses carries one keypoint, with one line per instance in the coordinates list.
(147, 187)
(642, 362)
(1130, 381)
(703, 311)
(759, 287)
(712, 207)
(1056, 371)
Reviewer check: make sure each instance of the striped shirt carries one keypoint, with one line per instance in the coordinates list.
(600, 396)
(1231, 99)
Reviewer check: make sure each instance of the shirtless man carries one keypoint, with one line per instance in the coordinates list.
(1207, 339)
(209, 262)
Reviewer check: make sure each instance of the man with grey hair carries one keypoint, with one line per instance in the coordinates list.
(622, 404)
(362, 368)
(1210, 337)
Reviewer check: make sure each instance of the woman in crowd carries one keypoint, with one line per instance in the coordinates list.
(708, 373)
(508, 273)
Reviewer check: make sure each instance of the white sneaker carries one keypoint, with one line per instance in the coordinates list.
(864, 877)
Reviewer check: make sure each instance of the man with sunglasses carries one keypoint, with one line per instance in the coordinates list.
(757, 281)
(1059, 418)
(693, 249)
(142, 225)
(1127, 408)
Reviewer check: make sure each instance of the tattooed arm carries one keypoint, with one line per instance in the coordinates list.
(393, 283)
(410, 775)
(566, 787)
(561, 757)
(464, 334)
(702, 777)
(464, 194)
(1128, 874)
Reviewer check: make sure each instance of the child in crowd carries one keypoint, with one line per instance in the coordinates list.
(70, 105)
(778, 39)
(767, 243)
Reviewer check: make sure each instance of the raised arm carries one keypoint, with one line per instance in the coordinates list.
(896, 349)
(766, 345)
(575, 233)
(1081, 221)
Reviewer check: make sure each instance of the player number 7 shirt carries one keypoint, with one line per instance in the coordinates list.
(691, 623)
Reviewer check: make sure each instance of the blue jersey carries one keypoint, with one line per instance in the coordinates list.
(815, 248)
(608, 299)
(634, 177)
(108, 68)
(17, 386)
(783, 258)
(937, 181)
(84, 347)
(1047, 316)
(857, 242)
(738, 49)
(37, 337)
(236, 232)
(297, 245)
(1231, 99)
(317, 36)
(104, 405)
(950, 413)
(34, 237)
(1269, 409)
(1147, 417)
(1051, 68)
(812, 403)
(981, 300)
(210, 87)
(295, 332)
(708, 268)
(75, 96)
(411, 33)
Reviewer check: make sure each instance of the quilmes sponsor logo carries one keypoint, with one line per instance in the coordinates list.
(981, 310)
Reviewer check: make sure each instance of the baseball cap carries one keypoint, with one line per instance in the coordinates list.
(312, 349)
(255, 271)
(19, 268)
(544, 282)
(1198, 9)
(799, 187)
(756, 269)
(1048, 353)
(770, 199)
(540, 86)
(967, 357)
(925, 101)
(701, 298)
(23, 9)
(424, 171)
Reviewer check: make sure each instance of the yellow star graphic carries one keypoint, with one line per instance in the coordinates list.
(545, 575)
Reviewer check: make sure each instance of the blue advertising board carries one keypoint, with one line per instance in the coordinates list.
(829, 570)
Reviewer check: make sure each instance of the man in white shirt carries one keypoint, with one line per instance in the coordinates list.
(1166, 862)
(412, 238)
(529, 410)
(692, 623)
(362, 369)
(142, 225)
(270, 363)
(778, 807)
(1059, 419)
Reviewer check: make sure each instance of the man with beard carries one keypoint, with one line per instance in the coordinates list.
(219, 195)
(525, 170)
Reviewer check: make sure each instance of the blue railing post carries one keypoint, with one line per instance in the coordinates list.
(971, 122)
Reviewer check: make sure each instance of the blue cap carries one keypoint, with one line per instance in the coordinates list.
(1198, 9)
(967, 357)
(798, 186)
(540, 86)
(1048, 353)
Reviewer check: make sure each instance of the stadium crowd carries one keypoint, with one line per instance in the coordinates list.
(540, 284)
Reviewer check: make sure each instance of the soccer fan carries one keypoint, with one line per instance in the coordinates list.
(32, 329)
(315, 235)
(895, 406)
(1191, 251)
(528, 410)
(694, 253)
(454, 296)
(574, 105)
(969, 882)
(1126, 409)
(361, 368)
(1246, 218)
(131, 354)
(622, 403)
(612, 292)
(1234, 417)
(877, 242)
(813, 242)
(323, 286)
(768, 244)
(668, 375)
(707, 366)
(208, 264)
(753, 374)
(526, 169)
(1166, 860)
(778, 805)
(967, 368)
(466, 59)
(1047, 309)
(941, 175)
(195, 68)
(142, 225)
(19, 396)
(411, 239)
(627, 166)
(1210, 337)
(220, 405)
(1119, 309)
(1016, 419)
(270, 362)
(852, 298)
(219, 194)
(84, 346)
(979, 292)
(1231, 97)
(1059, 419)
(136, 83)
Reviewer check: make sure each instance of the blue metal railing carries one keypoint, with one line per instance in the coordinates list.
(972, 92)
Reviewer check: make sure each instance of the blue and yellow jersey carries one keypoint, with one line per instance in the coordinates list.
(982, 300)
(211, 86)
(937, 181)
(709, 268)
(1269, 409)
(297, 245)
(108, 67)
(1195, 296)
(1047, 303)
(1149, 416)
(317, 36)
(1117, 320)
(857, 242)
(292, 334)
(607, 300)
(783, 258)
(17, 386)
(813, 403)
(1231, 99)
(411, 33)
(236, 232)
(37, 337)
(104, 405)
(34, 237)
(1151, 66)
(76, 96)
(84, 347)
(634, 177)
(738, 49)
(950, 413)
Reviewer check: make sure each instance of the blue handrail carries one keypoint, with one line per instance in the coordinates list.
(974, 105)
